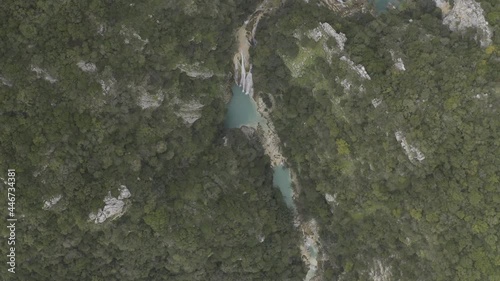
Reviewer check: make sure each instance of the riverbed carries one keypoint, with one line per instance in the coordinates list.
(243, 110)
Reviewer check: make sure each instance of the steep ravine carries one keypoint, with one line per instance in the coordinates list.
(269, 138)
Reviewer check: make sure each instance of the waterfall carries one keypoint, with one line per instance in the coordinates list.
(249, 83)
(310, 245)
(244, 80)
(243, 73)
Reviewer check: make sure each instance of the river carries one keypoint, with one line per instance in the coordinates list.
(242, 111)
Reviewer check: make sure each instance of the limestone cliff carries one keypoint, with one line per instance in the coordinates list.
(466, 14)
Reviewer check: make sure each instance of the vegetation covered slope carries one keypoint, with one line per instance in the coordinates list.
(401, 167)
(393, 135)
(99, 94)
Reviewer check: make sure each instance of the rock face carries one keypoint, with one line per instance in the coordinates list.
(87, 66)
(379, 272)
(5, 81)
(124, 193)
(326, 30)
(322, 33)
(443, 5)
(196, 70)
(376, 102)
(133, 38)
(360, 70)
(114, 208)
(331, 199)
(398, 62)
(466, 14)
(146, 100)
(189, 111)
(51, 202)
(344, 7)
(327, 50)
(107, 86)
(412, 152)
(42, 73)
(147, 97)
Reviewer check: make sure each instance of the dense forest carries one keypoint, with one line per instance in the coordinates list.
(429, 215)
(99, 94)
(391, 125)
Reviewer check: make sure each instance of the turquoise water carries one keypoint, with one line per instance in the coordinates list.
(241, 110)
(382, 5)
(282, 179)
